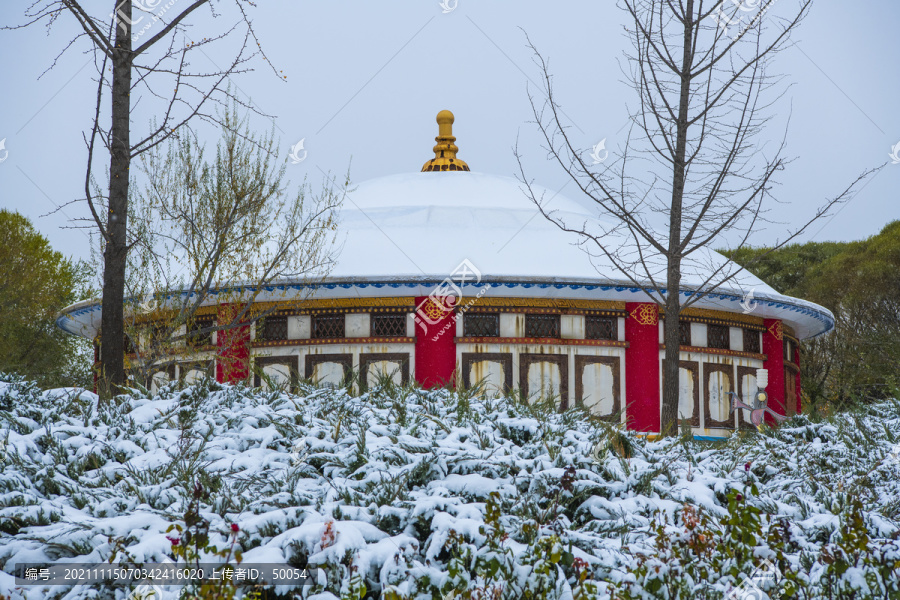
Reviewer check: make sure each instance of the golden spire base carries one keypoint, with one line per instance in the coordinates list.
(445, 150)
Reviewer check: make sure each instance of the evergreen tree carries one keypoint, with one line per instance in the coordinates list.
(35, 283)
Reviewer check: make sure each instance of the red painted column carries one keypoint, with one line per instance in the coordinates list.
(797, 362)
(642, 366)
(435, 342)
(233, 345)
(773, 348)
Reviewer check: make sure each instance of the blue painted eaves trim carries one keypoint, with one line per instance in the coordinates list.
(823, 318)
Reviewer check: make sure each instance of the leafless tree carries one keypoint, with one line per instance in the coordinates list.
(143, 52)
(223, 231)
(695, 165)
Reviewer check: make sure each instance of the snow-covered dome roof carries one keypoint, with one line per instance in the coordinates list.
(424, 224)
(418, 227)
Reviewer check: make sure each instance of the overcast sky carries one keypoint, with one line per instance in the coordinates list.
(366, 79)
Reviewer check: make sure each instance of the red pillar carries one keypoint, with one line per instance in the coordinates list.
(773, 348)
(233, 348)
(642, 366)
(435, 342)
(799, 371)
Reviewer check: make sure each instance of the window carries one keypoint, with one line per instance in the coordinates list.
(194, 336)
(751, 340)
(684, 332)
(129, 345)
(718, 336)
(327, 326)
(271, 328)
(789, 350)
(390, 325)
(541, 326)
(481, 325)
(159, 334)
(597, 327)
(158, 337)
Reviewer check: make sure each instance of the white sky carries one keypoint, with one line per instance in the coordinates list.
(365, 80)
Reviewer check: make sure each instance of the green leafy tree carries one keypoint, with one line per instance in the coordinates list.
(36, 282)
(860, 283)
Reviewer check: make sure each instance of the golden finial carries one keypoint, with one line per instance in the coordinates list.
(445, 150)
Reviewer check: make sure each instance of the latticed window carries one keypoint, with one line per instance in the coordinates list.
(272, 327)
(481, 324)
(389, 325)
(598, 327)
(717, 336)
(195, 335)
(684, 333)
(542, 326)
(751, 340)
(328, 326)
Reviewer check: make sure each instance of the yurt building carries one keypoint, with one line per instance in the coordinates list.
(450, 275)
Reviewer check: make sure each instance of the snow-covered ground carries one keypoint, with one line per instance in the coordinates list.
(429, 494)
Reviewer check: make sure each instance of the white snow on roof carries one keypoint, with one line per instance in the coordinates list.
(425, 224)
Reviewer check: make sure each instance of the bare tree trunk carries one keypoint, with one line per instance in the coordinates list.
(170, 63)
(112, 325)
(672, 340)
(698, 123)
(669, 417)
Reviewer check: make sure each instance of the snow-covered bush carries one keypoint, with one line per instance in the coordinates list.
(404, 493)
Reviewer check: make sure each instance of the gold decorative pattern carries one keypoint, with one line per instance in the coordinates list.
(335, 303)
(720, 321)
(720, 317)
(327, 341)
(612, 308)
(540, 341)
(298, 307)
(721, 351)
(558, 303)
(550, 311)
(646, 314)
(433, 310)
(777, 330)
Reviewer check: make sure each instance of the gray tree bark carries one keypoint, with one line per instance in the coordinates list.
(115, 254)
(672, 327)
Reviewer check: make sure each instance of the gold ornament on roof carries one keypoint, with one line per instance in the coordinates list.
(445, 150)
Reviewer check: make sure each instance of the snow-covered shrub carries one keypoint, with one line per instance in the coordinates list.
(193, 545)
(417, 494)
(696, 557)
(855, 566)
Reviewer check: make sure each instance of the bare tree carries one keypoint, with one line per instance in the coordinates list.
(695, 165)
(158, 69)
(226, 226)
